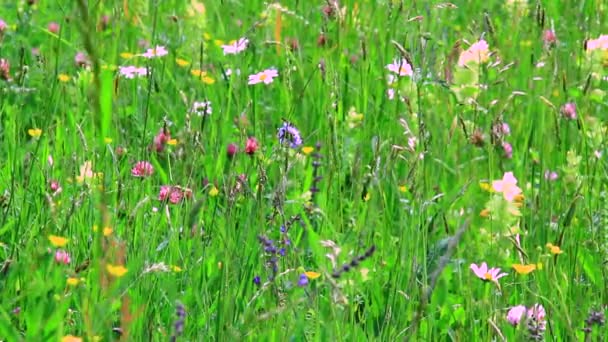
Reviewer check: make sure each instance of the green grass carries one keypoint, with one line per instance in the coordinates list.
(402, 176)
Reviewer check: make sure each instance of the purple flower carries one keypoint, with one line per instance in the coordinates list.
(289, 134)
(508, 149)
(256, 280)
(515, 314)
(303, 281)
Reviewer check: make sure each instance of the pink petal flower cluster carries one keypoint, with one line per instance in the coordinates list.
(235, 47)
(174, 194)
(401, 68)
(507, 186)
(477, 53)
(142, 169)
(157, 51)
(568, 110)
(549, 37)
(597, 44)
(265, 76)
(487, 274)
(131, 71)
(62, 257)
(251, 146)
(161, 139)
(536, 313)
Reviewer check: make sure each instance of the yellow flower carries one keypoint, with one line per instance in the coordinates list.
(307, 150)
(554, 249)
(34, 132)
(403, 188)
(73, 281)
(523, 269)
(107, 140)
(116, 270)
(176, 268)
(126, 55)
(207, 80)
(485, 186)
(182, 62)
(107, 231)
(213, 191)
(71, 338)
(218, 42)
(312, 275)
(172, 142)
(63, 77)
(206, 36)
(484, 213)
(198, 72)
(58, 241)
(109, 67)
(367, 197)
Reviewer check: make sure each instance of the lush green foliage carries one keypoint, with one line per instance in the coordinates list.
(367, 230)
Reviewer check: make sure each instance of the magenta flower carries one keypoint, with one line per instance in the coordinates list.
(3, 27)
(142, 169)
(508, 149)
(174, 194)
(62, 257)
(265, 76)
(549, 37)
(251, 146)
(569, 111)
(161, 139)
(235, 47)
(157, 51)
(132, 71)
(53, 27)
(537, 314)
(401, 68)
(515, 314)
(477, 53)
(507, 186)
(482, 272)
(55, 187)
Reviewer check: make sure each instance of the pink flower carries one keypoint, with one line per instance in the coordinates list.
(164, 192)
(597, 44)
(549, 37)
(132, 71)
(174, 194)
(390, 93)
(550, 175)
(401, 67)
(5, 69)
(235, 47)
(157, 51)
(82, 60)
(53, 27)
(161, 139)
(476, 53)
(142, 169)
(232, 150)
(3, 27)
(507, 185)
(515, 314)
(537, 315)
(265, 76)
(62, 257)
(569, 111)
(508, 149)
(202, 108)
(482, 272)
(251, 145)
(55, 187)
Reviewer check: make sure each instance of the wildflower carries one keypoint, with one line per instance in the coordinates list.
(157, 51)
(232, 150)
(5, 69)
(71, 338)
(307, 150)
(213, 191)
(142, 169)
(62, 257)
(72, 281)
(401, 67)
(182, 62)
(549, 37)
(289, 134)
(600, 43)
(507, 186)
(501, 130)
(476, 53)
(174, 194)
(523, 269)
(554, 249)
(161, 139)
(485, 274)
(58, 241)
(251, 145)
(568, 110)
(312, 275)
(3, 27)
(132, 71)
(235, 47)
(34, 132)
(508, 150)
(515, 314)
(82, 60)
(265, 76)
(53, 27)
(256, 280)
(63, 78)
(178, 325)
(107, 231)
(390, 92)
(203, 76)
(550, 175)
(536, 319)
(303, 281)
(126, 55)
(86, 172)
(116, 270)
(55, 187)
(202, 108)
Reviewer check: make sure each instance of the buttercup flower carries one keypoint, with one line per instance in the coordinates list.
(515, 314)
(508, 186)
(401, 68)
(476, 53)
(157, 51)
(142, 169)
(265, 76)
(236, 46)
(485, 274)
